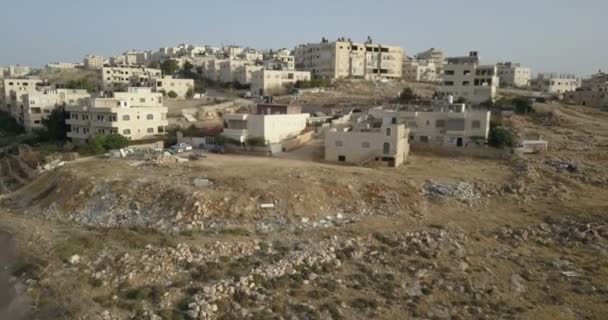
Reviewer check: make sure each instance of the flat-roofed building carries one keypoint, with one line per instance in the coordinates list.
(274, 82)
(93, 62)
(382, 140)
(273, 128)
(419, 70)
(435, 56)
(137, 114)
(593, 92)
(167, 84)
(554, 83)
(513, 75)
(39, 104)
(14, 89)
(17, 71)
(465, 77)
(344, 58)
(120, 78)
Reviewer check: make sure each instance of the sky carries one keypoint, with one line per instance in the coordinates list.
(563, 36)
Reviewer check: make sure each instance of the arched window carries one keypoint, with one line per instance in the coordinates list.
(126, 117)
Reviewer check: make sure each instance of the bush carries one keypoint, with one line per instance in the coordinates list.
(190, 93)
(312, 83)
(169, 67)
(522, 105)
(172, 94)
(407, 95)
(8, 124)
(256, 141)
(104, 142)
(55, 128)
(501, 137)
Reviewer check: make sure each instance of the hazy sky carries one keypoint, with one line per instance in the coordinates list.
(548, 35)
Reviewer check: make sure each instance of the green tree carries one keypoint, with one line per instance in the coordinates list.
(256, 141)
(407, 95)
(54, 125)
(83, 83)
(104, 142)
(522, 105)
(172, 94)
(501, 137)
(169, 66)
(188, 71)
(190, 93)
(8, 124)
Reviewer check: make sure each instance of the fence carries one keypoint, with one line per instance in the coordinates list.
(471, 151)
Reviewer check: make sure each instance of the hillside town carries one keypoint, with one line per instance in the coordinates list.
(337, 179)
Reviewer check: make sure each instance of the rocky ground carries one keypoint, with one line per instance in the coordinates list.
(234, 237)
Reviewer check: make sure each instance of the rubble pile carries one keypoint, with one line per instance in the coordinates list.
(565, 232)
(166, 159)
(454, 190)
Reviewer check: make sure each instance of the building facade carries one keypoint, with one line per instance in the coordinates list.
(387, 142)
(344, 58)
(14, 89)
(166, 84)
(120, 78)
(272, 82)
(553, 83)
(513, 75)
(18, 71)
(434, 56)
(593, 92)
(39, 104)
(464, 77)
(419, 70)
(137, 114)
(93, 62)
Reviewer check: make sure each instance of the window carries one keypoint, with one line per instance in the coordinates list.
(150, 117)
(365, 145)
(126, 131)
(386, 148)
(142, 100)
(126, 117)
(150, 130)
(338, 143)
(161, 129)
(476, 124)
(439, 123)
(424, 139)
(388, 132)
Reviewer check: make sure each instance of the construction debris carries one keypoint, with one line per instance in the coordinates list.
(455, 190)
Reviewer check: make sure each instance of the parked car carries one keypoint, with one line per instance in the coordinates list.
(180, 147)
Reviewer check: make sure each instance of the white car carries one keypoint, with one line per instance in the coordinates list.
(181, 147)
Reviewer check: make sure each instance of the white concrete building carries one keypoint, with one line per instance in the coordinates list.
(593, 92)
(344, 58)
(274, 82)
(167, 84)
(278, 124)
(419, 70)
(464, 77)
(228, 69)
(513, 75)
(434, 56)
(18, 71)
(448, 125)
(14, 89)
(137, 114)
(93, 62)
(63, 65)
(554, 83)
(119, 78)
(244, 74)
(39, 104)
(384, 141)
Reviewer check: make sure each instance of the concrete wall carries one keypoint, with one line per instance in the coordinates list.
(276, 127)
(168, 84)
(265, 82)
(470, 81)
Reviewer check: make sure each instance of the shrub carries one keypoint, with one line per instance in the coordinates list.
(522, 105)
(190, 93)
(256, 141)
(501, 137)
(104, 142)
(407, 95)
(55, 127)
(8, 124)
(172, 94)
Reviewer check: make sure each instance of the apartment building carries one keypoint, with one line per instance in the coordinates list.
(18, 71)
(593, 92)
(167, 84)
(448, 124)
(244, 74)
(465, 77)
(271, 82)
(381, 140)
(434, 56)
(13, 91)
(281, 60)
(272, 123)
(419, 70)
(136, 114)
(228, 68)
(554, 83)
(63, 66)
(93, 62)
(119, 78)
(211, 68)
(344, 58)
(3, 72)
(40, 103)
(513, 75)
